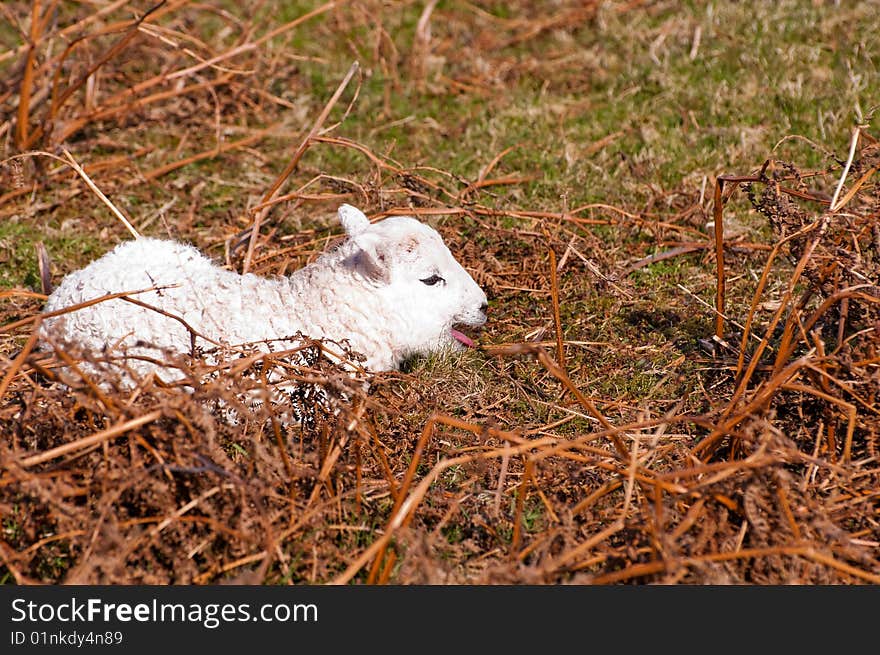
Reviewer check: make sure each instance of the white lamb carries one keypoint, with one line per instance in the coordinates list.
(391, 290)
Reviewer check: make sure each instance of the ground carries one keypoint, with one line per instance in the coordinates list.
(609, 428)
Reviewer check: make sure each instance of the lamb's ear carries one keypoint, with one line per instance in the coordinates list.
(370, 258)
(353, 220)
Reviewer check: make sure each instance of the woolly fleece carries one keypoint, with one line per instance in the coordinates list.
(391, 289)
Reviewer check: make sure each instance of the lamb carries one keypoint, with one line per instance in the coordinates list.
(391, 290)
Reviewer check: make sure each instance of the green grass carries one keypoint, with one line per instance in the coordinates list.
(759, 74)
(18, 260)
(682, 113)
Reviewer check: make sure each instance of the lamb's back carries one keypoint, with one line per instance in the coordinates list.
(213, 301)
(131, 266)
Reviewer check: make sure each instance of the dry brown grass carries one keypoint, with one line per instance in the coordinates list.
(753, 460)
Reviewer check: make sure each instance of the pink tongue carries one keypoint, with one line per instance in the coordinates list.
(463, 338)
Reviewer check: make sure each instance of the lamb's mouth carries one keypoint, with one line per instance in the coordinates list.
(462, 338)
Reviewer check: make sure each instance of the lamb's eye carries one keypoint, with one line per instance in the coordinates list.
(434, 279)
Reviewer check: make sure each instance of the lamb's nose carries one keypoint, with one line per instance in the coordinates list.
(484, 307)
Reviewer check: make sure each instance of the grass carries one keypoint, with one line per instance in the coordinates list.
(17, 250)
(634, 108)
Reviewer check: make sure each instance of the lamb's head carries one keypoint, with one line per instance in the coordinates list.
(426, 291)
